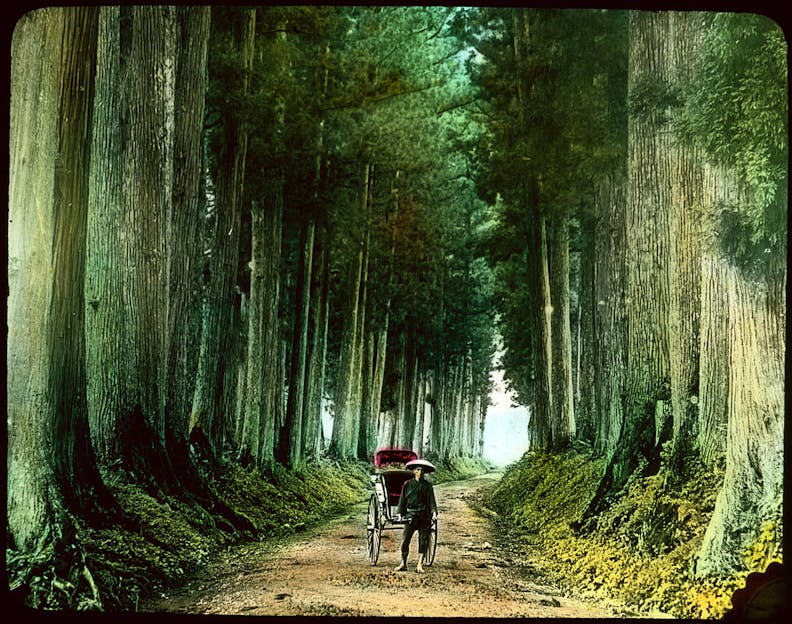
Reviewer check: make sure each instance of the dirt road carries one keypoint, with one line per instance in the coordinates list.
(328, 573)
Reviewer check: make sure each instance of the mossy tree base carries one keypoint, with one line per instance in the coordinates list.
(639, 551)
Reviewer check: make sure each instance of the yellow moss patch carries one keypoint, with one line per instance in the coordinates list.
(640, 551)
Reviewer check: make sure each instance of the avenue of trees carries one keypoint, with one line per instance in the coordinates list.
(637, 165)
(227, 224)
(221, 223)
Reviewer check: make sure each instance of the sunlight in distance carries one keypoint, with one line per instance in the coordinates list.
(506, 427)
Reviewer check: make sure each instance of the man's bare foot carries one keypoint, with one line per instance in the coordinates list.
(400, 568)
(419, 569)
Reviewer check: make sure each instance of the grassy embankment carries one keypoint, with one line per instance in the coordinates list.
(166, 538)
(639, 553)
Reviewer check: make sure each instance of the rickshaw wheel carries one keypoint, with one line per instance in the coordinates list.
(373, 530)
(432, 546)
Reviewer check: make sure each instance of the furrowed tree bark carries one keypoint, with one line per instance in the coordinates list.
(684, 267)
(254, 408)
(313, 438)
(318, 310)
(345, 418)
(189, 199)
(148, 101)
(610, 315)
(268, 423)
(105, 278)
(540, 424)
(647, 289)
(752, 490)
(714, 333)
(73, 454)
(358, 420)
(264, 407)
(221, 303)
(563, 389)
(649, 183)
(638, 422)
(291, 434)
(34, 505)
(586, 404)
(742, 385)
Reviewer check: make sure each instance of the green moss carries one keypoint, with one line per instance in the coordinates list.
(166, 538)
(457, 468)
(766, 547)
(280, 501)
(640, 551)
(529, 491)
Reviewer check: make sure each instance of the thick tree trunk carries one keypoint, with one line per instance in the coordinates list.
(317, 294)
(420, 412)
(546, 404)
(312, 438)
(366, 438)
(443, 412)
(647, 287)
(148, 100)
(406, 394)
(611, 316)
(221, 301)
(540, 309)
(714, 335)
(236, 434)
(341, 437)
(454, 425)
(358, 421)
(684, 267)
(345, 423)
(34, 502)
(189, 200)
(468, 411)
(291, 434)
(255, 407)
(563, 390)
(752, 490)
(72, 453)
(378, 379)
(587, 406)
(105, 287)
(437, 412)
(141, 288)
(637, 421)
(264, 409)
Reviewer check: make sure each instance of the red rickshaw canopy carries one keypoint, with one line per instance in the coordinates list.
(385, 456)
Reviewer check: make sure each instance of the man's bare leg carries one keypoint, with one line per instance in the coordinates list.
(402, 566)
(419, 567)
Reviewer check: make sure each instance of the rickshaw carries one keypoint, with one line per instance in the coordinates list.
(389, 475)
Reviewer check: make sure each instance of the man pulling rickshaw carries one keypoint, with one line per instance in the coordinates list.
(402, 498)
(418, 508)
